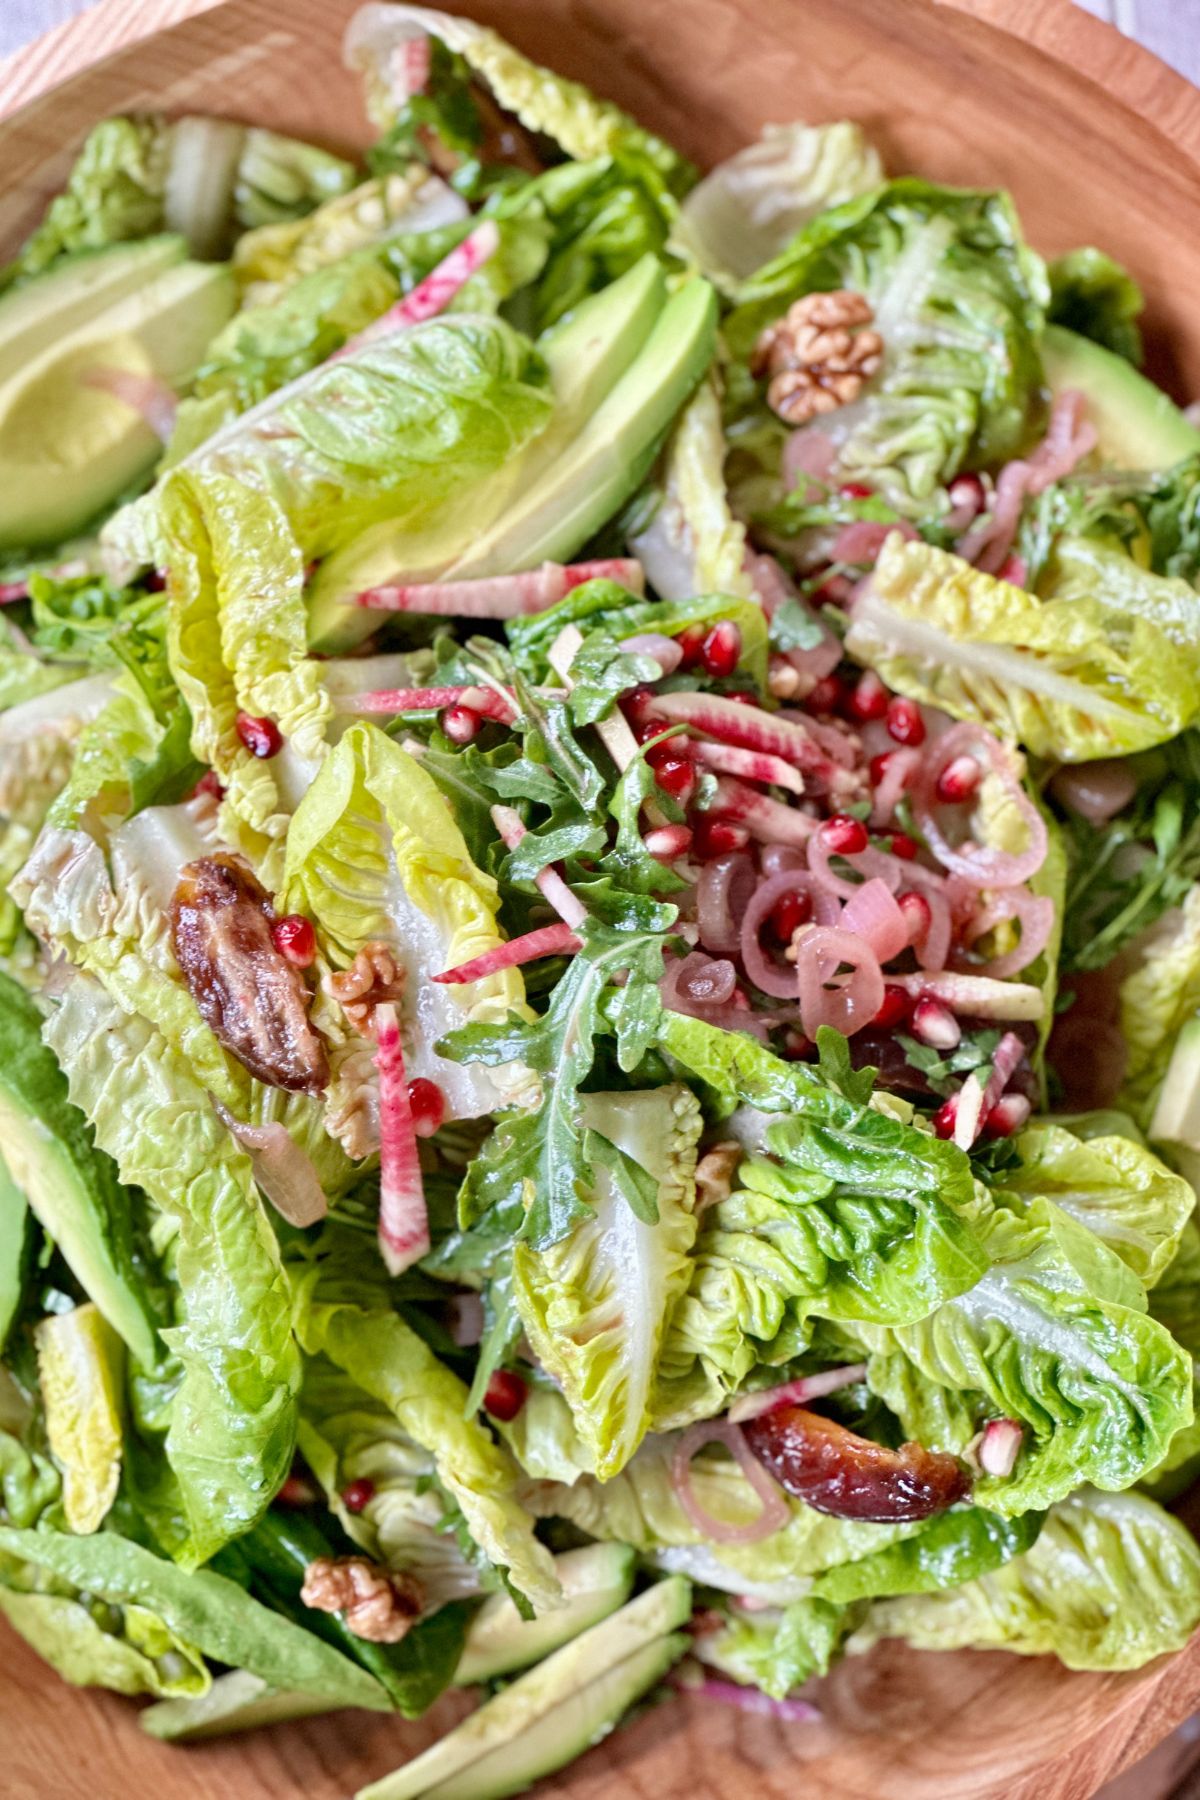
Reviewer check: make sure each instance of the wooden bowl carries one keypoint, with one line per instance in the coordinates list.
(1100, 143)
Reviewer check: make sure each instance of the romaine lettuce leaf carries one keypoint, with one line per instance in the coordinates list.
(1069, 679)
(596, 1303)
(1094, 296)
(958, 301)
(746, 210)
(693, 544)
(91, 1643)
(1111, 1583)
(1158, 997)
(1175, 1303)
(114, 192)
(1114, 1186)
(81, 1367)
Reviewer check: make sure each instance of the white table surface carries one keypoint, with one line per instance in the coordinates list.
(1169, 27)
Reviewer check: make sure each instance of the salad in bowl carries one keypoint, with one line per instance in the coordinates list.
(600, 991)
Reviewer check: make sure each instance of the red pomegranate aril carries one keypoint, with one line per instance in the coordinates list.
(1015, 570)
(676, 775)
(691, 642)
(918, 914)
(797, 1047)
(295, 940)
(967, 491)
(845, 836)
(936, 1025)
(1009, 1114)
(740, 1000)
(666, 842)
(877, 767)
(648, 730)
(958, 780)
(461, 724)
(787, 915)
(868, 699)
(209, 783)
(835, 590)
(944, 1117)
(721, 651)
(894, 1010)
(717, 837)
(856, 490)
(505, 1395)
(357, 1495)
(903, 846)
(427, 1104)
(634, 707)
(827, 695)
(904, 721)
(261, 737)
(295, 1491)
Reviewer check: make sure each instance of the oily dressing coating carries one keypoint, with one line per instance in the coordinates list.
(254, 1000)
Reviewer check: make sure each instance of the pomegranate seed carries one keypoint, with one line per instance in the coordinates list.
(427, 1104)
(261, 737)
(827, 695)
(740, 1000)
(461, 724)
(796, 1047)
(155, 582)
(877, 767)
(944, 1117)
(634, 706)
(958, 780)
(1010, 1112)
(721, 651)
(844, 835)
(666, 842)
(869, 699)
(717, 837)
(856, 490)
(903, 846)
(1013, 569)
(691, 642)
(789, 912)
(295, 1491)
(676, 775)
(505, 1395)
(967, 491)
(209, 783)
(936, 1025)
(358, 1494)
(648, 730)
(918, 915)
(835, 590)
(894, 1010)
(295, 940)
(904, 721)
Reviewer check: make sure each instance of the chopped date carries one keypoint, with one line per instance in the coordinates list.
(834, 1471)
(255, 1001)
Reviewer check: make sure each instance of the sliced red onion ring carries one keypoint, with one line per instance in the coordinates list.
(750, 1699)
(902, 765)
(778, 979)
(285, 1173)
(872, 914)
(933, 949)
(999, 1447)
(1035, 915)
(774, 1514)
(868, 863)
(723, 891)
(847, 1002)
(796, 1393)
(666, 651)
(151, 398)
(862, 539)
(980, 864)
(812, 453)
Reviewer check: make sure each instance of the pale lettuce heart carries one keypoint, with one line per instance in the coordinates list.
(693, 544)
(81, 1368)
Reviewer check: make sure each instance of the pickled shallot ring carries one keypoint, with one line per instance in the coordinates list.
(978, 864)
(778, 980)
(774, 1514)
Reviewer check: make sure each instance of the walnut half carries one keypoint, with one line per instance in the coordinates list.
(376, 1603)
(818, 355)
(372, 978)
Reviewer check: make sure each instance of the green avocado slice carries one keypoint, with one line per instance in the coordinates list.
(1138, 426)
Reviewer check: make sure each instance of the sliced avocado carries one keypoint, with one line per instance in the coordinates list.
(16, 1250)
(1177, 1115)
(68, 447)
(51, 306)
(586, 353)
(553, 1713)
(1139, 427)
(595, 1581)
(237, 1701)
(72, 1188)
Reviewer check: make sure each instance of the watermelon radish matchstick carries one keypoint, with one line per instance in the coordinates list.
(434, 294)
(502, 596)
(548, 940)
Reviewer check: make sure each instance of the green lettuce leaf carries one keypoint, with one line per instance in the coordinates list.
(1094, 296)
(18, 1238)
(746, 211)
(694, 545)
(1175, 1303)
(114, 192)
(343, 1313)
(81, 1367)
(1158, 998)
(948, 395)
(1111, 1583)
(95, 1644)
(595, 1304)
(1114, 1186)
(1069, 679)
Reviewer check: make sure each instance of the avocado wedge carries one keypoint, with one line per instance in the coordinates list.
(554, 1712)
(1138, 426)
(49, 307)
(596, 1580)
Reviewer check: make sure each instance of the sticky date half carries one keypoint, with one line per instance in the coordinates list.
(832, 1470)
(255, 1001)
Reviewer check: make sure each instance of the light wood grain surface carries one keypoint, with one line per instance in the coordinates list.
(1097, 141)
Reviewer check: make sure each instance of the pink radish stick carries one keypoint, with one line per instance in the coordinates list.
(733, 722)
(492, 703)
(767, 820)
(753, 765)
(13, 590)
(434, 294)
(549, 882)
(502, 596)
(403, 1219)
(550, 940)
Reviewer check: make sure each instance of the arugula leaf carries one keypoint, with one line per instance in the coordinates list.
(974, 1051)
(638, 1189)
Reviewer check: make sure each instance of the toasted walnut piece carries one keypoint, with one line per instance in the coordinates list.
(714, 1174)
(255, 1001)
(376, 1603)
(373, 977)
(818, 355)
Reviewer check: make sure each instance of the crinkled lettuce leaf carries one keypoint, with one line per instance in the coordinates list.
(343, 1313)
(596, 1303)
(1071, 680)
(1055, 1336)
(959, 301)
(91, 1643)
(1094, 296)
(1175, 1303)
(1111, 1583)
(693, 544)
(1158, 998)
(745, 212)
(1116, 1187)
(114, 192)
(1083, 569)
(81, 1368)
